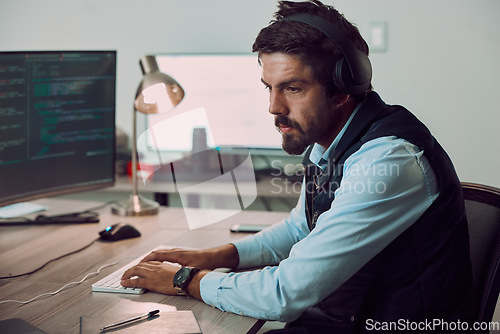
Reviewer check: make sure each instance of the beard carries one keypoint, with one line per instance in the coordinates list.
(294, 144)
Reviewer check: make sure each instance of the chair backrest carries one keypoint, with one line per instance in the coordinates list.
(482, 204)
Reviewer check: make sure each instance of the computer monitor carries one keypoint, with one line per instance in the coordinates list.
(223, 95)
(57, 123)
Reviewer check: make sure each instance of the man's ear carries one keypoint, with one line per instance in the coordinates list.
(340, 99)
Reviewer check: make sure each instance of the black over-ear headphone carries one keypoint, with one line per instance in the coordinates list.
(353, 72)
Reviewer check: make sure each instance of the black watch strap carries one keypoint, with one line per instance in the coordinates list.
(182, 279)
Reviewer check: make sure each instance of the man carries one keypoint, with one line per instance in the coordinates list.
(379, 234)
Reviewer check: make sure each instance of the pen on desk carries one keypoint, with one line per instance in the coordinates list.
(127, 321)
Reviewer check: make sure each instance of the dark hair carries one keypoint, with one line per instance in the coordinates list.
(309, 44)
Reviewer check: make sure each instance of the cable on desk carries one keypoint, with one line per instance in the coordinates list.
(99, 207)
(50, 261)
(63, 287)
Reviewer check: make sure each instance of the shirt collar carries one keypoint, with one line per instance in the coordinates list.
(319, 152)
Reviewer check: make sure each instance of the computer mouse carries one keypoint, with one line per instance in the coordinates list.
(119, 231)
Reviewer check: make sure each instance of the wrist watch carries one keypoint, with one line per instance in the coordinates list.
(182, 279)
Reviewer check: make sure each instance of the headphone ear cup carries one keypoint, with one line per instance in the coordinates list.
(353, 72)
(342, 76)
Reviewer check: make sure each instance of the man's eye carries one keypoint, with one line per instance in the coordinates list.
(293, 89)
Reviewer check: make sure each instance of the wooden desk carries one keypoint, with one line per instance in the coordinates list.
(24, 248)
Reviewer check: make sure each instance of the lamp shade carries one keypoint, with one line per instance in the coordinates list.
(158, 87)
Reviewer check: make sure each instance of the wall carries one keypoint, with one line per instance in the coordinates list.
(440, 63)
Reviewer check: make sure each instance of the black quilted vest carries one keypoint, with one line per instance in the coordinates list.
(425, 273)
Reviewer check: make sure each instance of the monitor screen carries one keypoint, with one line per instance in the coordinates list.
(57, 123)
(224, 96)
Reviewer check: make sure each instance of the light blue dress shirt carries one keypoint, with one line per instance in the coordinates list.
(387, 185)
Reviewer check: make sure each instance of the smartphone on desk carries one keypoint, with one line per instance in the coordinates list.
(248, 228)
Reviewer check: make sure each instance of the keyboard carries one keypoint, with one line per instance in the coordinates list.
(111, 283)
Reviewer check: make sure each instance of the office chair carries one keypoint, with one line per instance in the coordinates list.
(482, 204)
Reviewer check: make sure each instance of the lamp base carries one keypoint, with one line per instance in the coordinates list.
(136, 205)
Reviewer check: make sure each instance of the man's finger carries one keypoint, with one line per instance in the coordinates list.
(170, 255)
(138, 270)
(135, 282)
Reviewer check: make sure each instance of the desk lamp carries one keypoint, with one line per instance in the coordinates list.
(162, 90)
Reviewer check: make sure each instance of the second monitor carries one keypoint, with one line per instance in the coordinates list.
(223, 94)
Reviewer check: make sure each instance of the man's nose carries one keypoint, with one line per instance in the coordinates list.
(277, 104)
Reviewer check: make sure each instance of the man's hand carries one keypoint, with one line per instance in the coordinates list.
(219, 257)
(154, 275)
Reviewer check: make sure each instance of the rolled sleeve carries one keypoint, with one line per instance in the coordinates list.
(209, 286)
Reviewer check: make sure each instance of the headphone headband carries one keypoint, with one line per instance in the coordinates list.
(353, 72)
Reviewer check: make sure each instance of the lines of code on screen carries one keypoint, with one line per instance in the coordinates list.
(57, 113)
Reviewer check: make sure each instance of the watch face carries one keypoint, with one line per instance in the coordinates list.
(182, 278)
(182, 275)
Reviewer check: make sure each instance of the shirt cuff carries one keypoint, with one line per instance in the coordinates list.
(209, 287)
(246, 252)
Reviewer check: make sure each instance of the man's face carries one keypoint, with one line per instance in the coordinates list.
(303, 114)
